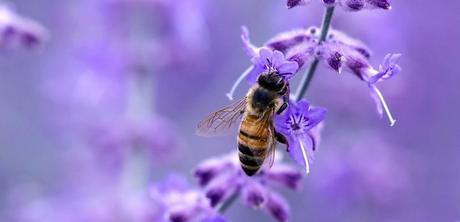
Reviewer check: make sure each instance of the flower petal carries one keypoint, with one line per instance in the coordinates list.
(251, 50)
(278, 207)
(285, 175)
(254, 194)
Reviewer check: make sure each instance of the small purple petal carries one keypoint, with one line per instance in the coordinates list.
(221, 188)
(293, 3)
(352, 5)
(278, 207)
(250, 49)
(388, 69)
(285, 175)
(254, 194)
(383, 4)
(210, 169)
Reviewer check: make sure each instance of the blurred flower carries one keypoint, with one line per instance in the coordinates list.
(113, 142)
(294, 3)
(98, 205)
(177, 202)
(362, 167)
(16, 30)
(297, 124)
(223, 179)
(349, 5)
(178, 34)
(337, 51)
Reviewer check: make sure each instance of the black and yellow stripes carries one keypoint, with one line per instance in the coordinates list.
(253, 142)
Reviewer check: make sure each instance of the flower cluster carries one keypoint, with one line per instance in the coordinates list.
(177, 202)
(338, 51)
(223, 179)
(17, 30)
(349, 5)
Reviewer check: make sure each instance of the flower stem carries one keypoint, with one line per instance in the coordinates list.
(225, 205)
(306, 80)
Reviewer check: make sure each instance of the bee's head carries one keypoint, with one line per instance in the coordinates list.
(273, 81)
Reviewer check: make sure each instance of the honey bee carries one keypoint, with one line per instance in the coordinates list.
(257, 136)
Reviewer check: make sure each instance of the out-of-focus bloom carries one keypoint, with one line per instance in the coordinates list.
(102, 205)
(17, 30)
(223, 178)
(178, 34)
(338, 51)
(154, 138)
(263, 60)
(362, 167)
(349, 5)
(297, 124)
(294, 3)
(177, 202)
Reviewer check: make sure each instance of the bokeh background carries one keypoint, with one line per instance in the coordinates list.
(117, 81)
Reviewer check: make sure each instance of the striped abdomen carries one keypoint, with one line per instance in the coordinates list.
(253, 143)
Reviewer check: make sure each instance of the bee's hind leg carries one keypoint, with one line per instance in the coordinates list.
(282, 139)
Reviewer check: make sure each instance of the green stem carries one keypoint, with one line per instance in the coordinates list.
(306, 80)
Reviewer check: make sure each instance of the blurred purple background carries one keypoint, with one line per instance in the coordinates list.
(120, 80)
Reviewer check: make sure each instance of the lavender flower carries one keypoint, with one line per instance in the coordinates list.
(17, 30)
(363, 167)
(349, 5)
(338, 52)
(223, 178)
(177, 202)
(297, 124)
(263, 59)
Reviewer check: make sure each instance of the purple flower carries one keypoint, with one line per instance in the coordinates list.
(113, 142)
(223, 178)
(263, 60)
(338, 52)
(296, 124)
(349, 5)
(17, 30)
(294, 3)
(177, 202)
(363, 167)
(388, 69)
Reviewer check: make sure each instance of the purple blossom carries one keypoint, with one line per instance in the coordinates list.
(338, 52)
(177, 202)
(113, 142)
(180, 34)
(349, 5)
(263, 60)
(297, 124)
(17, 30)
(223, 177)
(294, 3)
(363, 167)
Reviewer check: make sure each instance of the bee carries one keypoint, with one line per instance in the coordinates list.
(257, 136)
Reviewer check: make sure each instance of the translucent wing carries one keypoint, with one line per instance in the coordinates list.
(267, 123)
(221, 121)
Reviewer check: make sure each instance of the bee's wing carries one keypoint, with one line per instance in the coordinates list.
(267, 123)
(221, 121)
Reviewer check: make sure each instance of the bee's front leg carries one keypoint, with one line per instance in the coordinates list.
(282, 139)
(282, 108)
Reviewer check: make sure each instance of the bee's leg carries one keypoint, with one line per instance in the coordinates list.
(282, 108)
(282, 139)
